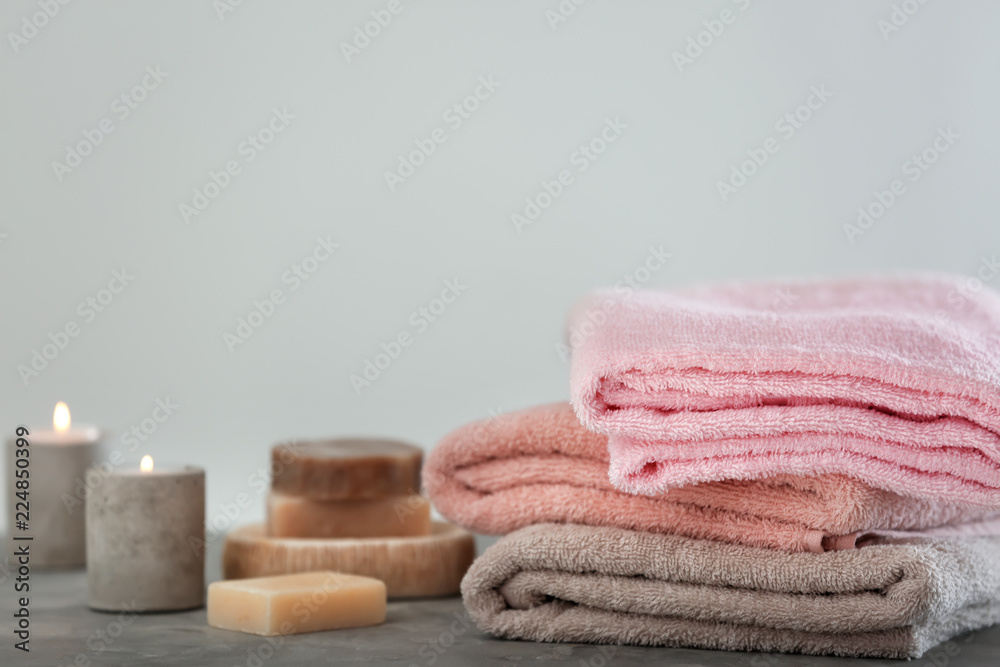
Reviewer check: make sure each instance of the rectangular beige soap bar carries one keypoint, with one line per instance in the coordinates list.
(395, 516)
(295, 603)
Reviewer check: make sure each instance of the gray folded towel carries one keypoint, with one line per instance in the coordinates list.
(572, 583)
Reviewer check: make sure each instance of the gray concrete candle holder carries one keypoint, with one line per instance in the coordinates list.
(57, 464)
(145, 539)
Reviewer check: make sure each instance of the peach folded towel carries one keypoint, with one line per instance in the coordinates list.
(892, 380)
(570, 583)
(541, 465)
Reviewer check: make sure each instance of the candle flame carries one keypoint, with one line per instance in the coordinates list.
(60, 417)
(147, 463)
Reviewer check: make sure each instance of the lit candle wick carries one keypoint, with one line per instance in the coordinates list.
(147, 463)
(60, 418)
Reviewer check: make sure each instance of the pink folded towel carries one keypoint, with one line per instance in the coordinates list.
(541, 465)
(894, 381)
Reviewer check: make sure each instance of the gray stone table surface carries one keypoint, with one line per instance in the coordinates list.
(424, 633)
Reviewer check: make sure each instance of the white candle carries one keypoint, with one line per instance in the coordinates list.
(145, 538)
(57, 463)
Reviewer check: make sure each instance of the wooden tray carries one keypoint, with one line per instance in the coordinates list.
(422, 566)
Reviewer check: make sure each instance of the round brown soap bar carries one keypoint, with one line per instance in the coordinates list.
(346, 469)
(410, 566)
(395, 516)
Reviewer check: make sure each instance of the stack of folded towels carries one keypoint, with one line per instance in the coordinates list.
(819, 478)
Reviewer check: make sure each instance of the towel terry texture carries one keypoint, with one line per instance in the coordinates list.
(894, 381)
(541, 465)
(571, 583)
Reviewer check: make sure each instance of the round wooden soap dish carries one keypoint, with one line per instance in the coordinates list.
(422, 566)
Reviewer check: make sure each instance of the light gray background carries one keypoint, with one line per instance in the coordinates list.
(494, 347)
